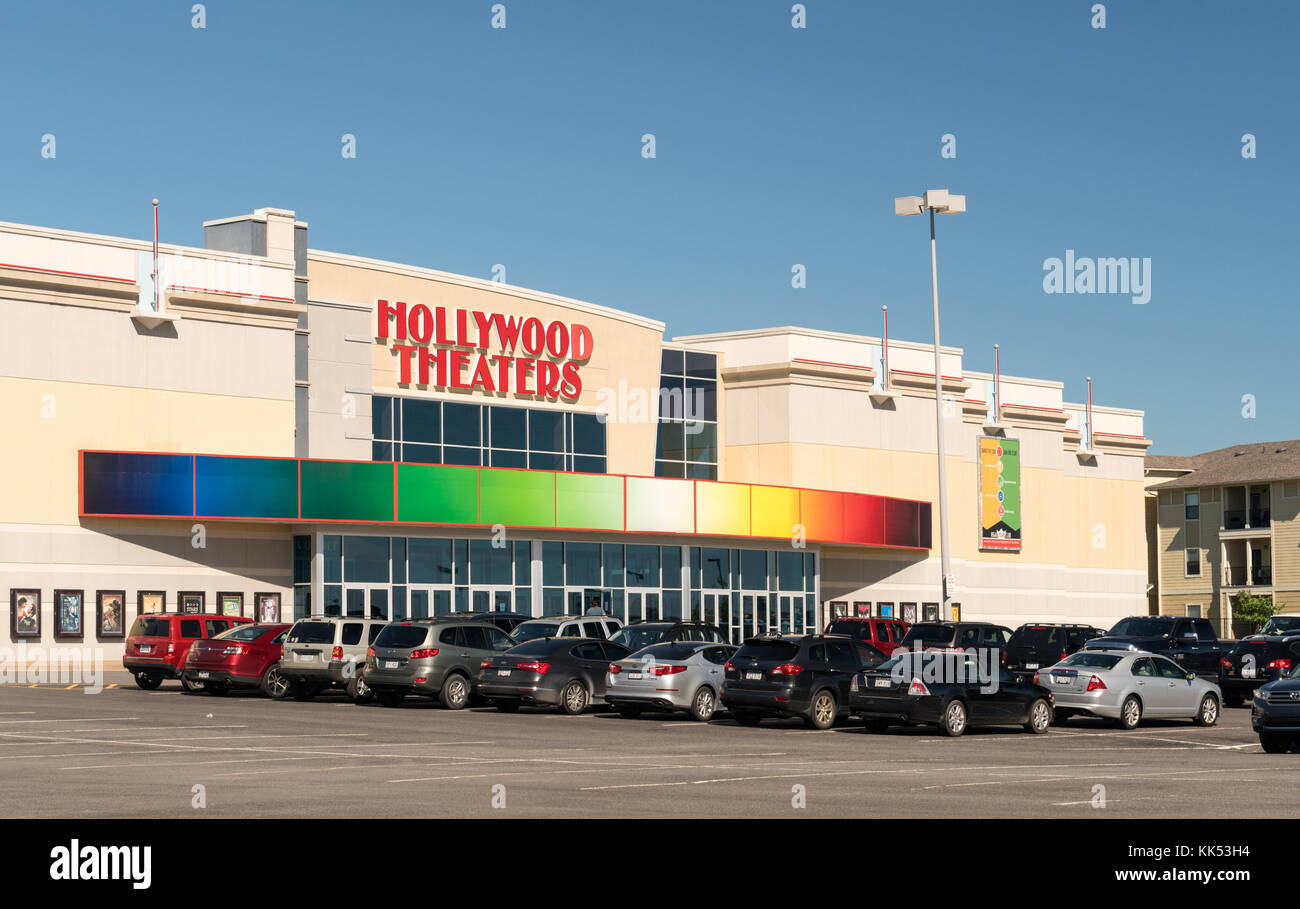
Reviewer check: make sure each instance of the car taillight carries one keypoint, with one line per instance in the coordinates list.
(424, 653)
(1036, 681)
(787, 669)
(1096, 684)
(370, 653)
(171, 648)
(918, 688)
(1280, 664)
(730, 666)
(337, 653)
(1225, 663)
(1004, 658)
(613, 668)
(537, 667)
(673, 670)
(484, 664)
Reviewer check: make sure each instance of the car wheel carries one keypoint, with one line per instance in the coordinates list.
(954, 719)
(629, 713)
(573, 700)
(506, 706)
(190, 687)
(390, 698)
(148, 680)
(704, 704)
(455, 692)
(1208, 713)
(747, 719)
(1273, 743)
(216, 687)
(304, 691)
(1040, 717)
(359, 691)
(1232, 703)
(875, 724)
(821, 715)
(1130, 715)
(274, 684)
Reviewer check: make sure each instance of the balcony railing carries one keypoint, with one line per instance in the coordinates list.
(1262, 576)
(1236, 519)
(1236, 576)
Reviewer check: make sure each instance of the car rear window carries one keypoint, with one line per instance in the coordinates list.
(151, 628)
(1142, 627)
(243, 633)
(769, 650)
(531, 630)
(928, 634)
(1281, 624)
(537, 647)
(637, 638)
(852, 629)
(673, 651)
(1091, 659)
(312, 633)
(1032, 636)
(402, 636)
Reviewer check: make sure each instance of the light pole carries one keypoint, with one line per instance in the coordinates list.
(937, 200)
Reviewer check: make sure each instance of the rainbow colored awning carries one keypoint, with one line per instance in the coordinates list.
(235, 488)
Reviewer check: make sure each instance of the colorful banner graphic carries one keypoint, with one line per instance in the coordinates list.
(999, 467)
(290, 490)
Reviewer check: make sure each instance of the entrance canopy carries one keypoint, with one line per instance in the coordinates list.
(293, 490)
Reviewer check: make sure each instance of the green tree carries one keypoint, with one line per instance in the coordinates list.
(1252, 609)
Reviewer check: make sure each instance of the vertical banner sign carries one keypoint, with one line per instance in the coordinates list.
(999, 466)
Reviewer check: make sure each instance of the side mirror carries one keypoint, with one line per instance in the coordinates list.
(1191, 677)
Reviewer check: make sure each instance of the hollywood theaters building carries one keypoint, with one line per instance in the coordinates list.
(264, 429)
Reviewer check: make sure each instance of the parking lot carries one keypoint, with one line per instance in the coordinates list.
(131, 753)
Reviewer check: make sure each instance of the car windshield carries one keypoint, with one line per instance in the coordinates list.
(1281, 624)
(637, 638)
(402, 635)
(928, 634)
(311, 633)
(243, 633)
(1091, 659)
(531, 630)
(674, 651)
(1141, 627)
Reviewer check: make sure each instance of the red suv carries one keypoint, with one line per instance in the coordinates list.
(158, 644)
(246, 656)
(883, 634)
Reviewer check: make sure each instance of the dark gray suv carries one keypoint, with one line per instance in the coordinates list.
(435, 657)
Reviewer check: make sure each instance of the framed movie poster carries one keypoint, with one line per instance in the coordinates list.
(147, 602)
(191, 601)
(69, 614)
(268, 607)
(230, 603)
(25, 614)
(909, 613)
(110, 613)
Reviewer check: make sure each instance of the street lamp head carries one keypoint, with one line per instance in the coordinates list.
(907, 205)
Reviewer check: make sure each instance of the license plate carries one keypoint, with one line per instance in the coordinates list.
(503, 672)
(146, 648)
(1062, 679)
(881, 683)
(754, 676)
(390, 664)
(306, 657)
(1031, 665)
(634, 675)
(202, 675)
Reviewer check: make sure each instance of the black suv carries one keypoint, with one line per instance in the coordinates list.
(1256, 660)
(806, 676)
(643, 634)
(1041, 644)
(957, 636)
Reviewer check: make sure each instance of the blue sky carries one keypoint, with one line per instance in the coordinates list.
(775, 146)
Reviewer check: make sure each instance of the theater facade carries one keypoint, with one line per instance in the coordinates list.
(264, 429)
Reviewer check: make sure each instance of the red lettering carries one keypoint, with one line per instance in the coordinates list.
(443, 340)
(548, 379)
(533, 337)
(582, 342)
(507, 331)
(386, 312)
(482, 375)
(403, 353)
(557, 340)
(421, 323)
(459, 360)
(503, 372)
(572, 382)
(484, 324)
(523, 366)
(430, 355)
(462, 329)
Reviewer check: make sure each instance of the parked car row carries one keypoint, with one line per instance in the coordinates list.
(951, 675)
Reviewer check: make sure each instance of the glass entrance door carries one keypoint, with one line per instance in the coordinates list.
(643, 606)
(427, 602)
(582, 600)
(366, 602)
(492, 599)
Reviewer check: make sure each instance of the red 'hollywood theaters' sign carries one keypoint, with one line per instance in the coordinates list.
(450, 349)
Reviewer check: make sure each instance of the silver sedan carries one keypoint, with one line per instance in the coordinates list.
(1128, 686)
(676, 676)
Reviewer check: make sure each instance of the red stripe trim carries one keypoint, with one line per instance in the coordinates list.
(228, 293)
(70, 274)
(928, 375)
(830, 363)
